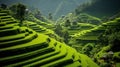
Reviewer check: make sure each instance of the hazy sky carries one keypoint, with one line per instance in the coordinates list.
(56, 7)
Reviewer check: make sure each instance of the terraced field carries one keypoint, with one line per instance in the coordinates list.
(81, 27)
(93, 34)
(43, 30)
(22, 46)
(89, 36)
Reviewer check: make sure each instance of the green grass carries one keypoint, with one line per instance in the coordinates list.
(43, 30)
(81, 28)
(3, 14)
(29, 48)
(13, 37)
(103, 52)
(117, 64)
(57, 50)
(117, 55)
(86, 61)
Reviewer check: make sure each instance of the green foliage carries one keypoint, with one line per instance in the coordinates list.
(67, 23)
(88, 48)
(22, 46)
(3, 6)
(13, 8)
(20, 12)
(111, 35)
(116, 56)
(66, 36)
(77, 31)
(86, 18)
(109, 41)
(50, 16)
(58, 29)
(77, 11)
(62, 32)
(38, 15)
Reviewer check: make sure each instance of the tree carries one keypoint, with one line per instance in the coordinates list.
(115, 41)
(74, 23)
(20, 12)
(67, 23)
(58, 30)
(87, 49)
(50, 16)
(13, 9)
(66, 37)
(77, 12)
(111, 35)
(3, 6)
(38, 15)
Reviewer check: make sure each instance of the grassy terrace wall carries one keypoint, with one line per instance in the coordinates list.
(22, 46)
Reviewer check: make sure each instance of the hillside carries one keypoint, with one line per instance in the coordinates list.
(77, 39)
(22, 46)
(93, 42)
(56, 7)
(103, 8)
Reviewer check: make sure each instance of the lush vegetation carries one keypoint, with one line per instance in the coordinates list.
(98, 38)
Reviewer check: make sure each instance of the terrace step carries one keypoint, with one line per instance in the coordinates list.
(13, 37)
(3, 14)
(4, 11)
(11, 31)
(5, 20)
(37, 28)
(25, 56)
(32, 56)
(50, 59)
(5, 17)
(8, 26)
(23, 47)
(26, 39)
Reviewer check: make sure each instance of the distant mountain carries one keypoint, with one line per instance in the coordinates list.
(56, 7)
(104, 8)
